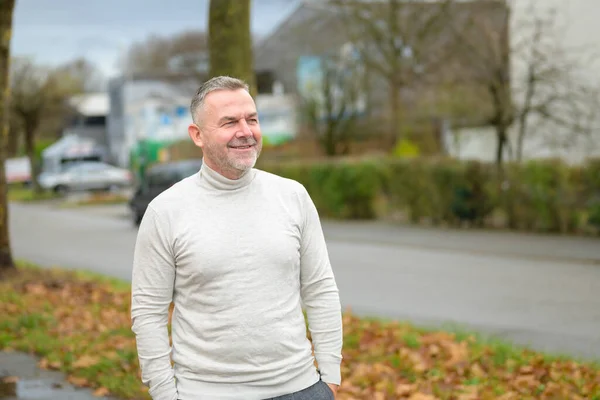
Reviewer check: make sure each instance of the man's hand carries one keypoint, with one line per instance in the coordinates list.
(334, 388)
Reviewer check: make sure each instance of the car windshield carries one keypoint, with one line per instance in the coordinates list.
(181, 169)
(87, 166)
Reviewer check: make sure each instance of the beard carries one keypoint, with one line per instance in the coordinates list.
(227, 159)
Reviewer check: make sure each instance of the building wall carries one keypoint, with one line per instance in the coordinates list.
(578, 33)
(146, 108)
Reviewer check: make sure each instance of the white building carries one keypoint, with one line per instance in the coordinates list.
(147, 108)
(579, 33)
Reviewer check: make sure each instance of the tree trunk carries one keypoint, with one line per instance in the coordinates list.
(521, 139)
(30, 151)
(230, 40)
(329, 144)
(6, 15)
(500, 144)
(12, 146)
(395, 117)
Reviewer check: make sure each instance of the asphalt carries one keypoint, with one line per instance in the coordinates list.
(21, 379)
(534, 290)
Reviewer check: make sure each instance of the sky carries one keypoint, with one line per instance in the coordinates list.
(57, 31)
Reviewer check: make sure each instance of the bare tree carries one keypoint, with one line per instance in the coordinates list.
(549, 94)
(6, 17)
(31, 93)
(334, 102)
(527, 74)
(486, 42)
(80, 75)
(38, 94)
(401, 42)
(183, 53)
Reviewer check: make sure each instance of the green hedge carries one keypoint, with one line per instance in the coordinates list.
(542, 196)
(346, 190)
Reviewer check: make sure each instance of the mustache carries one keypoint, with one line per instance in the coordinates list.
(246, 142)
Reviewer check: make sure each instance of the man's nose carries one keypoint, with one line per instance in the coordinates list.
(244, 130)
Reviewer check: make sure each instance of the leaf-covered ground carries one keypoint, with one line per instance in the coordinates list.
(80, 324)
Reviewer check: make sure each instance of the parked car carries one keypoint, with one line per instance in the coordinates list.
(86, 175)
(17, 171)
(159, 178)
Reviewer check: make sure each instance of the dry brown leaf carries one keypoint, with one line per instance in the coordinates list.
(477, 371)
(404, 389)
(10, 379)
(422, 396)
(78, 381)
(101, 392)
(415, 359)
(379, 396)
(36, 289)
(469, 393)
(459, 353)
(526, 369)
(509, 396)
(43, 363)
(526, 382)
(85, 361)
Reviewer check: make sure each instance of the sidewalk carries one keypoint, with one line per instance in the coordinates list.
(22, 379)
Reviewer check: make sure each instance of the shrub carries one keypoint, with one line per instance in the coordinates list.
(341, 189)
(547, 196)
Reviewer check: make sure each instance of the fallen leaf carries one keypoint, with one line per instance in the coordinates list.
(101, 392)
(422, 396)
(55, 364)
(43, 363)
(404, 389)
(85, 361)
(10, 379)
(477, 371)
(469, 393)
(78, 381)
(508, 396)
(379, 396)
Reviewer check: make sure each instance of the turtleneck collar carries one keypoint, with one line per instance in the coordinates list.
(212, 180)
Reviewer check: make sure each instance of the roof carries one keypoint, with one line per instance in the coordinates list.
(91, 104)
(71, 145)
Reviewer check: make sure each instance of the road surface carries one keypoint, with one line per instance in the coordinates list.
(540, 291)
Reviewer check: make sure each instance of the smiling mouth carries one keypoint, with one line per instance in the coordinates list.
(242, 147)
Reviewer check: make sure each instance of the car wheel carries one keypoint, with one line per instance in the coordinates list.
(61, 190)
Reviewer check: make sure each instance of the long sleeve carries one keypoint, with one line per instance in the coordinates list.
(320, 295)
(151, 295)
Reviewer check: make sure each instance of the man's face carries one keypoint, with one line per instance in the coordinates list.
(228, 132)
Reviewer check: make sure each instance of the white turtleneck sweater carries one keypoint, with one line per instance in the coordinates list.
(237, 258)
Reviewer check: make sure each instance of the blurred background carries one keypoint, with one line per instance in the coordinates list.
(464, 88)
(452, 147)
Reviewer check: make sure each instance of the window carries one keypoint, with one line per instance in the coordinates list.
(99, 120)
(161, 177)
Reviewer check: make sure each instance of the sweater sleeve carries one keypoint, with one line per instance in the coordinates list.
(320, 295)
(151, 295)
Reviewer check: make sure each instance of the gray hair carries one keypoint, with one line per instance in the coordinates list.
(211, 85)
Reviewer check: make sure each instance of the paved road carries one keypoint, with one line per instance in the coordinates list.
(536, 290)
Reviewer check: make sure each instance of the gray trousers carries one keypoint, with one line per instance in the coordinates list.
(318, 391)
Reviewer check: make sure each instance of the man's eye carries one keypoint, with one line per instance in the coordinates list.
(253, 120)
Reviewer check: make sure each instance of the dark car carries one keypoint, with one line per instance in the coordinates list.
(157, 179)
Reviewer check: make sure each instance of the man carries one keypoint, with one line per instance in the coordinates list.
(237, 250)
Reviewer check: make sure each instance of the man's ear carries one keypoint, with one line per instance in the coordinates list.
(195, 134)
